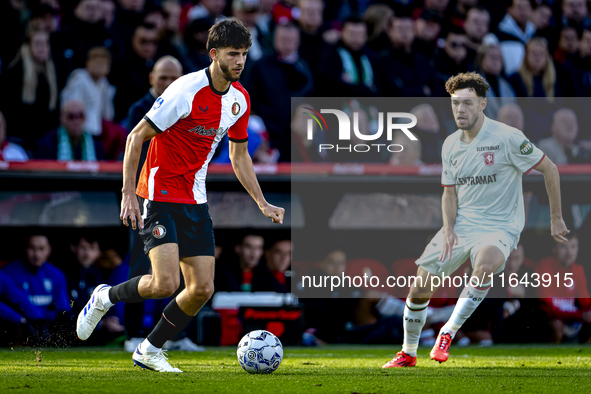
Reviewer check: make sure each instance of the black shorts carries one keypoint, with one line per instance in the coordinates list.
(187, 225)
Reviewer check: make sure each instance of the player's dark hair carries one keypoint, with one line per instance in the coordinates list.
(229, 33)
(471, 80)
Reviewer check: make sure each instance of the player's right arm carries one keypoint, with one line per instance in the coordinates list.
(133, 148)
(449, 201)
(449, 208)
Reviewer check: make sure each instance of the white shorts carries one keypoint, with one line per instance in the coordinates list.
(470, 241)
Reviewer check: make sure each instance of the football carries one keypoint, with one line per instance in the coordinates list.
(259, 351)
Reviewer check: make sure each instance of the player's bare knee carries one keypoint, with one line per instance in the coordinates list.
(201, 292)
(165, 288)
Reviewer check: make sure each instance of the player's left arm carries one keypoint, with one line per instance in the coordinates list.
(242, 165)
(552, 180)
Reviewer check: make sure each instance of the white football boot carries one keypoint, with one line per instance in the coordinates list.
(92, 313)
(153, 361)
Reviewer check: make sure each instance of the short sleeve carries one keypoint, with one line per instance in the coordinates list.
(174, 104)
(447, 179)
(522, 153)
(238, 132)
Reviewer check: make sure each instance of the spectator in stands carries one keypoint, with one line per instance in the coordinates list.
(80, 32)
(561, 148)
(208, 8)
(128, 16)
(274, 80)
(195, 39)
(512, 115)
(9, 151)
(477, 26)
(347, 69)
(45, 286)
(17, 314)
(428, 131)
(238, 276)
(489, 63)
(378, 18)
(542, 15)
(576, 13)
(274, 274)
(428, 27)
(401, 71)
(328, 314)
(513, 33)
(13, 24)
(108, 9)
(537, 75)
(453, 59)
(90, 86)
(568, 44)
(83, 277)
(578, 67)
(310, 23)
(43, 18)
(30, 90)
(568, 307)
(263, 22)
(246, 11)
(70, 141)
(172, 30)
(440, 6)
(130, 75)
(409, 153)
(459, 13)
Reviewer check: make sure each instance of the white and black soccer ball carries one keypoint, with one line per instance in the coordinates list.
(260, 351)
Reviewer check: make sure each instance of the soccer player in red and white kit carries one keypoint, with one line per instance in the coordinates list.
(185, 124)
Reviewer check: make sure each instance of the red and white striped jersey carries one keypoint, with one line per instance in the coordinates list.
(191, 118)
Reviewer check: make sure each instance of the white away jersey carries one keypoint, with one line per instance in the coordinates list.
(487, 175)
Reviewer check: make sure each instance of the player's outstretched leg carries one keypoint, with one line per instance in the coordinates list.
(488, 260)
(415, 315)
(198, 273)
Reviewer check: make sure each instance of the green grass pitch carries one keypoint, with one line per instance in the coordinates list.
(334, 369)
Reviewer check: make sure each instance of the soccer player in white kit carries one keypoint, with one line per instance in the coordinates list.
(483, 212)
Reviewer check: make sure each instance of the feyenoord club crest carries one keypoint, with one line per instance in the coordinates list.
(159, 231)
(489, 158)
(235, 109)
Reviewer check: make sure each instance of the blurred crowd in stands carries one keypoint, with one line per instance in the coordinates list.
(39, 299)
(76, 75)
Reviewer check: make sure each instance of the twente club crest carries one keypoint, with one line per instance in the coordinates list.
(489, 158)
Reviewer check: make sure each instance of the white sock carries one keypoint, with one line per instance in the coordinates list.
(104, 295)
(415, 316)
(469, 300)
(147, 347)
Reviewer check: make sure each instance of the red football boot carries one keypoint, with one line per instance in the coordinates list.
(401, 360)
(440, 351)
